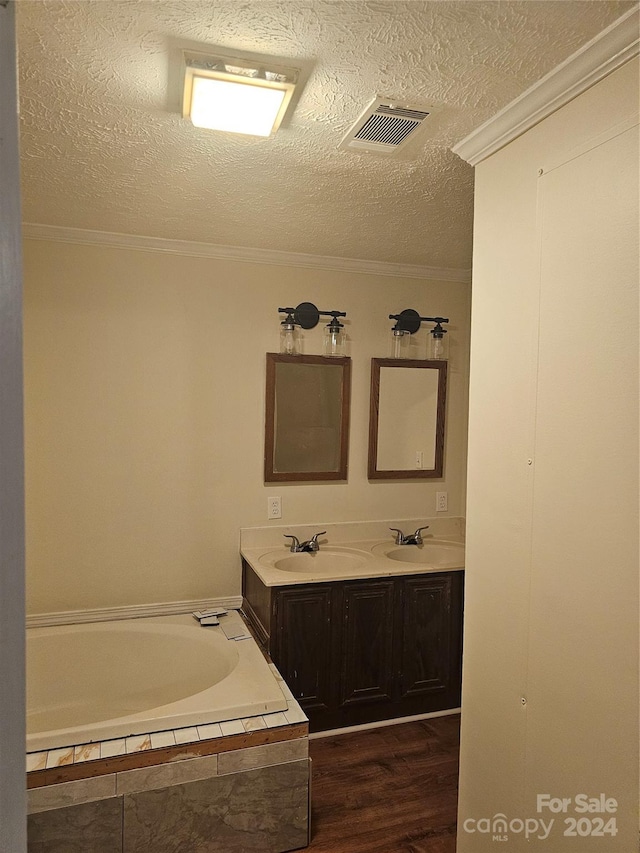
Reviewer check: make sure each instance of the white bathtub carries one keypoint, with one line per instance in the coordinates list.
(103, 680)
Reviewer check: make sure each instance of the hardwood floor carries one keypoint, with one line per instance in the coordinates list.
(387, 790)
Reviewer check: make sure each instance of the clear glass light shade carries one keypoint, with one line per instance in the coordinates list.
(290, 339)
(235, 107)
(438, 347)
(333, 341)
(399, 344)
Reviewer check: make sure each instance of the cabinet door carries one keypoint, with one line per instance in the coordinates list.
(431, 632)
(303, 647)
(366, 669)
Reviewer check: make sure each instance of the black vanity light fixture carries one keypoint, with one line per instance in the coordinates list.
(307, 316)
(407, 323)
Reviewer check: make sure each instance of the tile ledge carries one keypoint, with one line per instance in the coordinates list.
(166, 755)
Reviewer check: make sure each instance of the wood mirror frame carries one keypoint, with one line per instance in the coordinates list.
(322, 401)
(437, 415)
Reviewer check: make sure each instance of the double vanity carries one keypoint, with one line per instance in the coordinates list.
(365, 628)
(368, 627)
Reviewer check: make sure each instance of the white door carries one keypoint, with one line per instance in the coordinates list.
(583, 635)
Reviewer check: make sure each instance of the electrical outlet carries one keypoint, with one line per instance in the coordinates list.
(441, 501)
(274, 507)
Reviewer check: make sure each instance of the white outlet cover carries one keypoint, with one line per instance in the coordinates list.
(274, 507)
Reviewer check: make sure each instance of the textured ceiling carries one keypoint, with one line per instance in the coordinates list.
(104, 145)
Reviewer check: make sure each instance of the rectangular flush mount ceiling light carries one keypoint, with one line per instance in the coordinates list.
(236, 95)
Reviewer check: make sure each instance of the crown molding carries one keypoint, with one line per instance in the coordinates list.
(610, 49)
(34, 231)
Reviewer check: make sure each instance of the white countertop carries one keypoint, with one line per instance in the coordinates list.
(276, 565)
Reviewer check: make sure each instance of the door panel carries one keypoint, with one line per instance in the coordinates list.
(367, 642)
(426, 640)
(303, 645)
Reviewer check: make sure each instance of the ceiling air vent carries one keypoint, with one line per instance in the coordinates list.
(385, 126)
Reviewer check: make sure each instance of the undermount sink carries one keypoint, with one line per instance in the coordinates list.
(429, 553)
(320, 561)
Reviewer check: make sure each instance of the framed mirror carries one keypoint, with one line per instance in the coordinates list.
(407, 418)
(307, 417)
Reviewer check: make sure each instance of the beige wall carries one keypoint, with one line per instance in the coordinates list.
(145, 379)
(550, 684)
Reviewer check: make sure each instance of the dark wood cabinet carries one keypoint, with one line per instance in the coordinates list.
(302, 645)
(366, 663)
(358, 651)
(426, 653)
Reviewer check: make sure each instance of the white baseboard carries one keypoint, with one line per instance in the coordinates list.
(137, 611)
(377, 725)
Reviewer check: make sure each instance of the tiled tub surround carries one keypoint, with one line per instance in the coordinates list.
(248, 795)
(225, 787)
(94, 682)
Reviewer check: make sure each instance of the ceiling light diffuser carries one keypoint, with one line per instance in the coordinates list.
(232, 95)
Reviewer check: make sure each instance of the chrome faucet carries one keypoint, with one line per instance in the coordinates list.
(310, 546)
(411, 539)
